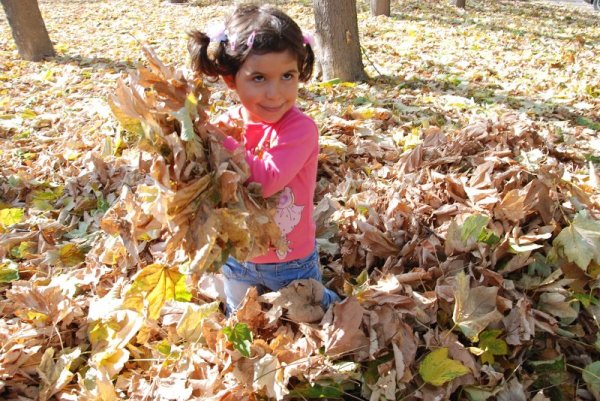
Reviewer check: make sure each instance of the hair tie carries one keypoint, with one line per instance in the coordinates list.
(216, 32)
(250, 40)
(308, 39)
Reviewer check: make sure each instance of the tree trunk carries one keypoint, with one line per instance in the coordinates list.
(28, 29)
(380, 7)
(337, 34)
(461, 3)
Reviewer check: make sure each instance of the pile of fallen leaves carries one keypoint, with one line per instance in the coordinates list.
(457, 210)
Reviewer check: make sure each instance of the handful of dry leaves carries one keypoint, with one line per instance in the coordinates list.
(192, 204)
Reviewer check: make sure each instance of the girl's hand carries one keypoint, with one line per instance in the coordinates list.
(230, 143)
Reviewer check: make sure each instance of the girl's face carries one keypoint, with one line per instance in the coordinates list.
(267, 85)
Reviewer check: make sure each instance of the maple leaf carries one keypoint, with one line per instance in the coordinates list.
(489, 346)
(580, 241)
(437, 369)
(512, 391)
(55, 375)
(111, 361)
(10, 216)
(189, 326)
(8, 272)
(591, 376)
(558, 305)
(464, 237)
(474, 308)
(302, 298)
(241, 337)
(155, 284)
(344, 334)
(114, 330)
(269, 375)
(67, 255)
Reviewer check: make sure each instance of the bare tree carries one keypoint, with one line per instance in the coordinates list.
(380, 7)
(339, 46)
(28, 29)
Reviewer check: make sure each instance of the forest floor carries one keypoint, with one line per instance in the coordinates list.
(457, 212)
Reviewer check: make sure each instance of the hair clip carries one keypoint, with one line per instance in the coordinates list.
(217, 32)
(232, 42)
(250, 40)
(308, 39)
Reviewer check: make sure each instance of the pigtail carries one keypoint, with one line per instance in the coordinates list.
(308, 63)
(198, 43)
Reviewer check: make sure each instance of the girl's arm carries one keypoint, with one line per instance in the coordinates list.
(276, 167)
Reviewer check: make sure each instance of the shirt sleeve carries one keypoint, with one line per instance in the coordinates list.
(280, 164)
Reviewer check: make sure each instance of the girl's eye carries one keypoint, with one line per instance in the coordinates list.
(287, 77)
(258, 78)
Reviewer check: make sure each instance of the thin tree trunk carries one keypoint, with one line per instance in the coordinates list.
(461, 3)
(339, 47)
(380, 7)
(28, 29)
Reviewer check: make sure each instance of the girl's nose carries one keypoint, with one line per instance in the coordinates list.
(272, 91)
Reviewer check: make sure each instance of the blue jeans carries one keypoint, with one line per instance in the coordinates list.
(239, 276)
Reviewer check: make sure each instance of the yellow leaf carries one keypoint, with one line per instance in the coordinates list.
(11, 216)
(28, 114)
(111, 361)
(61, 47)
(129, 123)
(412, 140)
(492, 345)
(41, 199)
(70, 255)
(155, 284)
(30, 315)
(438, 369)
(115, 330)
(8, 272)
(190, 324)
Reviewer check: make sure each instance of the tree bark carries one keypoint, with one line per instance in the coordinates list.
(461, 3)
(380, 7)
(28, 29)
(337, 34)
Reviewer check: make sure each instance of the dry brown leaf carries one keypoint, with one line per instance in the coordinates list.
(302, 299)
(344, 335)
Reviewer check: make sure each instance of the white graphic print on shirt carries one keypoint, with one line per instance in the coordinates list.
(287, 217)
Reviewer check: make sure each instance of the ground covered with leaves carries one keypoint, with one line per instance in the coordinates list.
(457, 207)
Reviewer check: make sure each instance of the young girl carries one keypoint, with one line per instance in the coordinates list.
(262, 54)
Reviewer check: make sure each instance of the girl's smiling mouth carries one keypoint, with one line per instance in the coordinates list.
(272, 109)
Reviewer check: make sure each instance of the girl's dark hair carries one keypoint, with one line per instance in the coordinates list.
(272, 31)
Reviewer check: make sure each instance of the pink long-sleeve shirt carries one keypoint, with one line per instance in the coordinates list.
(283, 158)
